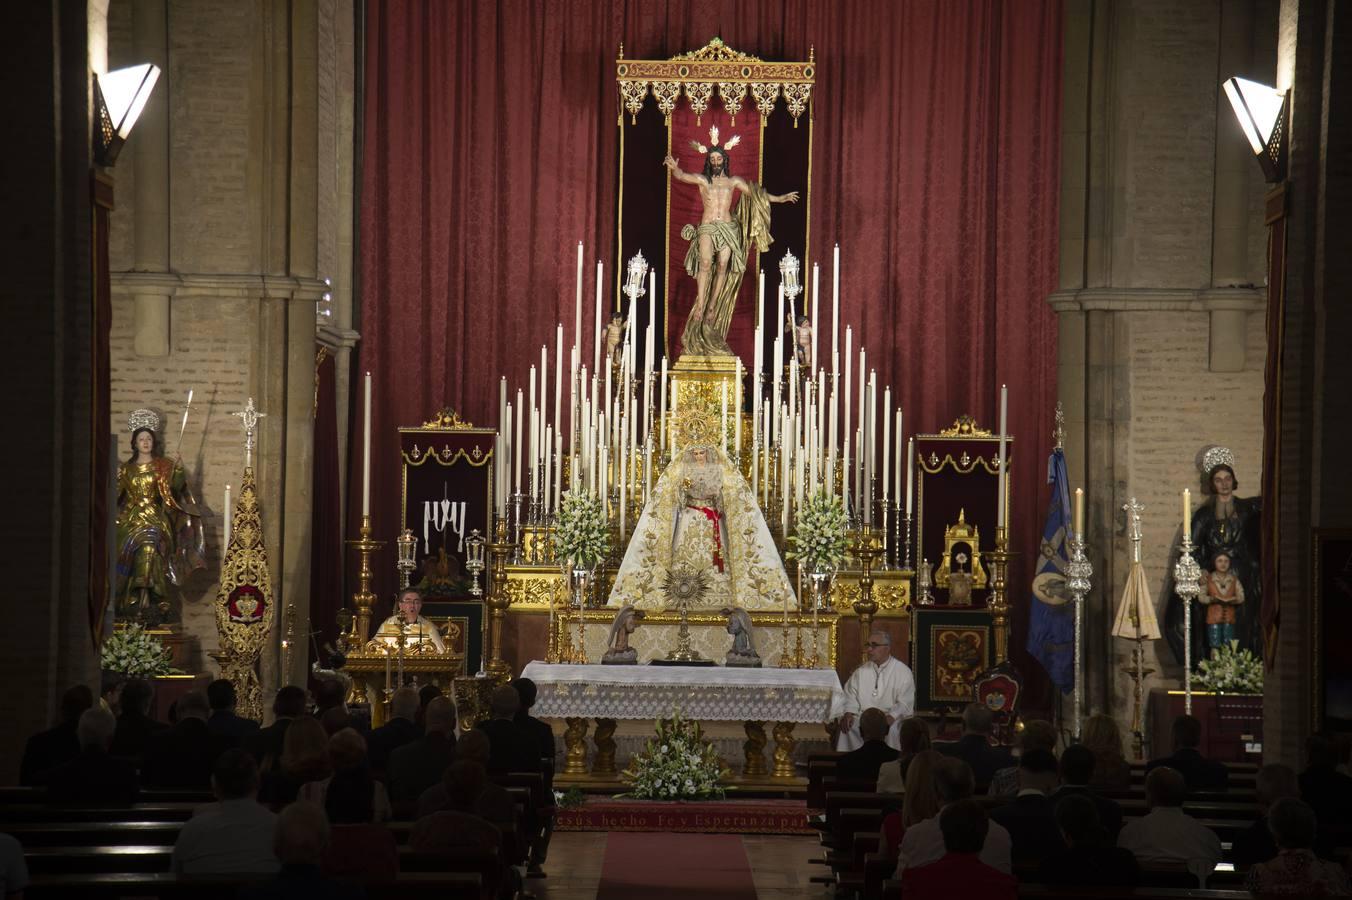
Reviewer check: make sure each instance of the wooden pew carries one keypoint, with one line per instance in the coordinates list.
(449, 885)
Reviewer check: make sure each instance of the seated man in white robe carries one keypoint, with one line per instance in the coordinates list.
(416, 629)
(883, 683)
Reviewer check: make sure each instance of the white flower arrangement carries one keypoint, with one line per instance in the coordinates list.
(135, 654)
(819, 543)
(1232, 671)
(582, 537)
(677, 764)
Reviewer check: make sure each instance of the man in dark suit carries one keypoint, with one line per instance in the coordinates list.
(1199, 773)
(1030, 818)
(544, 735)
(974, 747)
(398, 731)
(1077, 769)
(1323, 787)
(512, 748)
(415, 767)
(266, 743)
(184, 756)
(60, 744)
(223, 721)
(135, 727)
(1255, 844)
(94, 777)
(863, 764)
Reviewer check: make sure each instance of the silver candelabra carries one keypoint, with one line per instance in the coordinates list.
(1078, 572)
(1187, 578)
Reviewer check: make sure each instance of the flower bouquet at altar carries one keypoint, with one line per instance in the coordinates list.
(819, 543)
(132, 652)
(677, 764)
(582, 537)
(1231, 670)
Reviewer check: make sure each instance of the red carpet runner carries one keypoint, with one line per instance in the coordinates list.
(714, 817)
(656, 866)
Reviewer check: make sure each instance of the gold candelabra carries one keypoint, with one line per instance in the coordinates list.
(497, 603)
(999, 558)
(364, 600)
(867, 550)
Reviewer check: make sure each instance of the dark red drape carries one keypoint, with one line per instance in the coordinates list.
(491, 148)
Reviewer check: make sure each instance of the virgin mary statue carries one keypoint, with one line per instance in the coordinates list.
(703, 518)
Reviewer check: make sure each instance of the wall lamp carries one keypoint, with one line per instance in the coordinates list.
(120, 96)
(1262, 114)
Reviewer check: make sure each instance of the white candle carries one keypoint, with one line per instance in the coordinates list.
(558, 379)
(765, 448)
(737, 413)
(624, 480)
(532, 421)
(596, 342)
(887, 444)
(779, 322)
(577, 303)
(546, 481)
(910, 473)
(229, 515)
(662, 406)
(366, 454)
(558, 469)
(816, 302)
(675, 395)
(760, 299)
(1004, 431)
(834, 423)
(846, 433)
(776, 373)
(1187, 511)
(897, 462)
(516, 442)
(723, 421)
(1079, 512)
(648, 345)
(835, 303)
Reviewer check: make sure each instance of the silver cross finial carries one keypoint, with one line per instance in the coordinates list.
(1133, 508)
(249, 417)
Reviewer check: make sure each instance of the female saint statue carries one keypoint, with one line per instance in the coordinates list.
(703, 518)
(1224, 525)
(159, 530)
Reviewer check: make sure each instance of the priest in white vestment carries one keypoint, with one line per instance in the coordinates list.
(882, 683)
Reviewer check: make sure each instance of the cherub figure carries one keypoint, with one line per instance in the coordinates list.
(743, 652)
(618, 652)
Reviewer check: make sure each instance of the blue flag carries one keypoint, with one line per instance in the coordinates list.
(1051, 617)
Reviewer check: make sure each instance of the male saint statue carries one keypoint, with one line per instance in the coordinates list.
(719, 246)
(883, 683)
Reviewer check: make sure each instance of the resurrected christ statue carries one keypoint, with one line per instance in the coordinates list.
(719, 246)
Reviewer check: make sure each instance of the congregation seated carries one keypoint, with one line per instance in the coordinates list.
(883, 682)
(1167, 834)
(1112, 772)
(266, 743)
(1078, 765)
(426, 694)
(1295, 871)
(1038, 734)
(398, 731)
(912, 737)
(94, 777)
(1090, 857)
(974, 747)
(1030, 818)
(183, 755)
(415, 767)
(862, 763)
(1327, 791)
(351, 793)
(920, 800)
(1255, 843)
(60, 743)
(234, 835)
(494, 803)
(458, 825)
(223, 721)
(301, 843)
(544, 735)
(1199, 773)
(962, 870)
(923, 841)
(135, 727)
(305, 758)
(511, 747)
(13, 866)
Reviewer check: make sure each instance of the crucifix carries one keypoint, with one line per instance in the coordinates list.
(249, 417)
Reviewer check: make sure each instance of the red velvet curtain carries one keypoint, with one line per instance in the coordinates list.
(491, 148)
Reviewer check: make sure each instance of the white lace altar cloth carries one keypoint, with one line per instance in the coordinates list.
(706, 693)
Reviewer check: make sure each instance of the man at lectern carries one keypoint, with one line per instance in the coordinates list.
(408, 620)
(883, 683)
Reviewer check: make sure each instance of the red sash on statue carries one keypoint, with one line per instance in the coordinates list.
(712, 515)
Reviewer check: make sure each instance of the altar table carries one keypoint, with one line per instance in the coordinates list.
(707, 693)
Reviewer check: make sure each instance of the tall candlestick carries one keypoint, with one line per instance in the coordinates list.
(1004, 431)
(596, 342)
(776, 375)
(662, 407)
(846, 433)
(558, 469)
(897, 461)
(648, 345)
(366, 453)
(760, 298)
(516, 442)
(887, 443)
(815, 362)
(1079, 513)
(765, 449)
(910, 474)
(577, 303)
(737, 412)
(835, 302)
